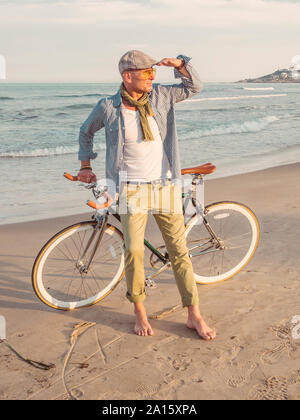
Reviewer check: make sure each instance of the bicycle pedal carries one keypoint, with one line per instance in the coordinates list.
(150, 283)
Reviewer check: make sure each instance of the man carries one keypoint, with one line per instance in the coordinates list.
(141, 140)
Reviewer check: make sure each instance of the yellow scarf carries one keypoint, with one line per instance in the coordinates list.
(144, 110)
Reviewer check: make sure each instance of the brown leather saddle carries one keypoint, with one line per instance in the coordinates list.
(205, 169)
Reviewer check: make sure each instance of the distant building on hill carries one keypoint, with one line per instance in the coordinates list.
(289, 75)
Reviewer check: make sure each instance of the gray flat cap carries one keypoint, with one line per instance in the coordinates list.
(136, 60)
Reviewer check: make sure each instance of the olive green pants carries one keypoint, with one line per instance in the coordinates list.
(164, 202)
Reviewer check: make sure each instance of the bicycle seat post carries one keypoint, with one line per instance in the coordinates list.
(198, 179)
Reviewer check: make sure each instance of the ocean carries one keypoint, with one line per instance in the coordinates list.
(238, 127)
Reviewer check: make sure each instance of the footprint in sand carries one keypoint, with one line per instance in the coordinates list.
(270, 357)
(169, 378)
(236, 374)
(78, 393)
(226, 366)
(274, 388)
(241, 375)
(147, 390)
(181, 362)
(285, 346)
(294, 378)
(228, 354)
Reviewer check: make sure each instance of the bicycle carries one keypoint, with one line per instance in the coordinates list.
(83, 263)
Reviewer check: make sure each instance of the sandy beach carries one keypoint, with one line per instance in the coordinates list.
(255, 356)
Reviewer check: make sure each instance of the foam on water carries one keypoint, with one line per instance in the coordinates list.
(265, 88)
(60, 150)
(250, 126)
(230, 98)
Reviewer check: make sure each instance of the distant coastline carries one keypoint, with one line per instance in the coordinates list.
(279, 76)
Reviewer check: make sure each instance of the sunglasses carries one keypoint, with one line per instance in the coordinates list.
(145, 74)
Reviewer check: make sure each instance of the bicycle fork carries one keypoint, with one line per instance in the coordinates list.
(83, 268)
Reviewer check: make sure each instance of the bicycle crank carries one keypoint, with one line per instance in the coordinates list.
(148, 280)
(157, 262)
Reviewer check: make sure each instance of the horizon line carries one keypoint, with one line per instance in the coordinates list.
(95, 82)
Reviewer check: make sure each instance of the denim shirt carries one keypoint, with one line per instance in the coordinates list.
(107, 114)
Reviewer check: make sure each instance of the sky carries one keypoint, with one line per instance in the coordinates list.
(83, 40)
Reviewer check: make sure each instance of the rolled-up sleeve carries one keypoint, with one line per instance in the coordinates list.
(93, 123)
(188, 86)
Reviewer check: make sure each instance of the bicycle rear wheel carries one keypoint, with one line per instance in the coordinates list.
(237, 230)
(57, 276)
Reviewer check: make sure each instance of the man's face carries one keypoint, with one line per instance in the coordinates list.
(139, 81)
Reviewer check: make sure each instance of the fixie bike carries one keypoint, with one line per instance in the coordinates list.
(83, 263)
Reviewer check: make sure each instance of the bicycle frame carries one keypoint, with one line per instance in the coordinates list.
(82, 263)
(102, 221)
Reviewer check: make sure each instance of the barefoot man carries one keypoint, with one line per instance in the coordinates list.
(141, 142)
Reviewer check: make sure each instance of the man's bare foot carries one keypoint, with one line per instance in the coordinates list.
(195, 321)
(142, 326)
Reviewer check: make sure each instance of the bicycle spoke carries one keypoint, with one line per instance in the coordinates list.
(58, 248)
(212, 262)
(238, 236)
(234, 227)
(81, 243)
(64, 279)
(236, 247)
(67, 288)
(94, 277)
(75, 243)
(222, 259)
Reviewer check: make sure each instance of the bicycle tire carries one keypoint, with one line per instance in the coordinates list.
(207, 270)
(51, 269)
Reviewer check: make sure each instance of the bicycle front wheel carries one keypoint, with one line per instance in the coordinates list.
(57, 275)
(237, 231)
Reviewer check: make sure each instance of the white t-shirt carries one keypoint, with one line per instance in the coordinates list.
(143, 160)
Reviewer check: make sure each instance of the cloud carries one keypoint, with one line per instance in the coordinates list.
(284, 1)
(169, 13)
(28, 2)
(86, 35)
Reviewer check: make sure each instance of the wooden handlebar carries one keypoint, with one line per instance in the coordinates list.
(96, 206)
(70, 177)
(90, 203)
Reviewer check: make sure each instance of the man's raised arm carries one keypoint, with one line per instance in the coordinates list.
(190, 81)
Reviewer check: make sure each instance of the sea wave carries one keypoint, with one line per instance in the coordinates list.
(77, 106)
(227, 109)
(228, 98)
(59, 150)
(86, 95)
(264, 88)
(250, 126)
(23, 117)
(93, 95)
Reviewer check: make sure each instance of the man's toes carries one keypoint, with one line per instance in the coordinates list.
(212, 334)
